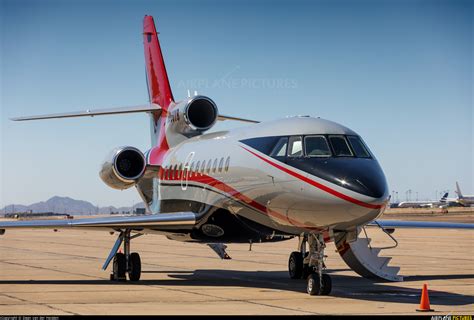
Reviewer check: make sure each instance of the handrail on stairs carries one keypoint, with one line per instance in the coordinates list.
(386, 232)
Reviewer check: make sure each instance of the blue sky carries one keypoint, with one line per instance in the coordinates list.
(397, 72)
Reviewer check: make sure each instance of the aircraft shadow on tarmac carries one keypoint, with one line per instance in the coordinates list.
(352, 287)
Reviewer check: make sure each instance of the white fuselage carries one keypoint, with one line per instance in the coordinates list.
(255, 186)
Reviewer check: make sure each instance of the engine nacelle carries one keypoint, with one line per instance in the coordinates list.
(193, 116)
(123, 167)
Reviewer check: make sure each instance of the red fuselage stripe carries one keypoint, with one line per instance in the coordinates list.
(317, 184)
(231, 192)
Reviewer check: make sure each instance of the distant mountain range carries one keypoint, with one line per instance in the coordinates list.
(66, 205)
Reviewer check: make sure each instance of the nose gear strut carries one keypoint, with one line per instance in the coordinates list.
(310, 265)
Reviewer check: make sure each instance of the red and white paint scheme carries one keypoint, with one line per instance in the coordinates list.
(294, 177)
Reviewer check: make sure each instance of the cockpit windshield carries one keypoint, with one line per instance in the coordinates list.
(311, 146)
(358, 146)
(295, 147)
(340, 146)
(280, 148)
(316, 146)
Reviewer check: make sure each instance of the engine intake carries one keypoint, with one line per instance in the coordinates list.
(191, 118)
(123, 167)
(201, 113)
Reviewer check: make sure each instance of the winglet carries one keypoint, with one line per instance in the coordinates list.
(159, 89)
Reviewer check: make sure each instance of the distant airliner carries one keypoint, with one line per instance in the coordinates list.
(462, 199)
(298, 176)
(425, 204)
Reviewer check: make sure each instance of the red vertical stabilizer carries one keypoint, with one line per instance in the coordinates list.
(159, 90)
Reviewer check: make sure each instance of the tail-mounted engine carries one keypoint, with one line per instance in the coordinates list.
(123, 167)
(192, 117)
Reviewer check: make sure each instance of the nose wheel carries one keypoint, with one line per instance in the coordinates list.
(295, 265)
(317, 286)
(310, 265)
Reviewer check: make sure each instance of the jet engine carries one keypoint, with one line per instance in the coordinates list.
(193, 116)
(123, 167)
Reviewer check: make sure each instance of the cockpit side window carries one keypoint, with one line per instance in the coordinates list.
(280, 148)
(359, 148)
(316, 146)
(295, 147)
(340, 146)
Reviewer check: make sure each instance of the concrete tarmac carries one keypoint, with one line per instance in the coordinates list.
(45, 272)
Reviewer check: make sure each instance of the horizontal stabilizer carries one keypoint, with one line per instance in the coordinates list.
(92, 113)
(222, 117)
(111, 111)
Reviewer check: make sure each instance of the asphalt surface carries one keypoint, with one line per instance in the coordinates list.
(46, 272)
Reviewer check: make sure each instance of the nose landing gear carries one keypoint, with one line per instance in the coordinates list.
(310, 265)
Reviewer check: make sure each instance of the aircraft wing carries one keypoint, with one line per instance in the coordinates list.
(92, 113)
(178, 221)
(421, 224)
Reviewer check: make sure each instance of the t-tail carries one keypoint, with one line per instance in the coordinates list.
(171, 122)
(444, 198)
(458, 190)
(159, 89)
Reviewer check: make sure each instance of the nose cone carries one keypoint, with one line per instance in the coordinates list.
(364, 176)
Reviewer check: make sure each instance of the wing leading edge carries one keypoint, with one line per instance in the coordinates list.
(165, 222)
(421, 224)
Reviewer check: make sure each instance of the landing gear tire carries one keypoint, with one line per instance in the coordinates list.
(306, 271)
(295, 265)
(327, 285)
(135, 267)
(119, 267)
(320, 288)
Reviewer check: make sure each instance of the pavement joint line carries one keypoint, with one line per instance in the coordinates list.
(232, 299)
(38, 303)
(56, 270)
(456, 291)
(145, 251)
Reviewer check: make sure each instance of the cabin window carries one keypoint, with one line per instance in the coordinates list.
(168, 173)
(191, 171)
(221, 164)
(227, 163)
(203, 167)
(185, 170)
(208, 169)
(214, 166)
(295, 147)
(280, 148)
(180, 170)
(340, 146)
(316, 146)
(175, 171)
(198, 166)
(359, 148)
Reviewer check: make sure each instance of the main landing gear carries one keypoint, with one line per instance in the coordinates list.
(126, 262)
(310, 265)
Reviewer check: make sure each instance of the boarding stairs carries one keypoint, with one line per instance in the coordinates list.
(362, 257)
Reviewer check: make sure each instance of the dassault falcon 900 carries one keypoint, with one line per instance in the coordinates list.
(295, 177)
